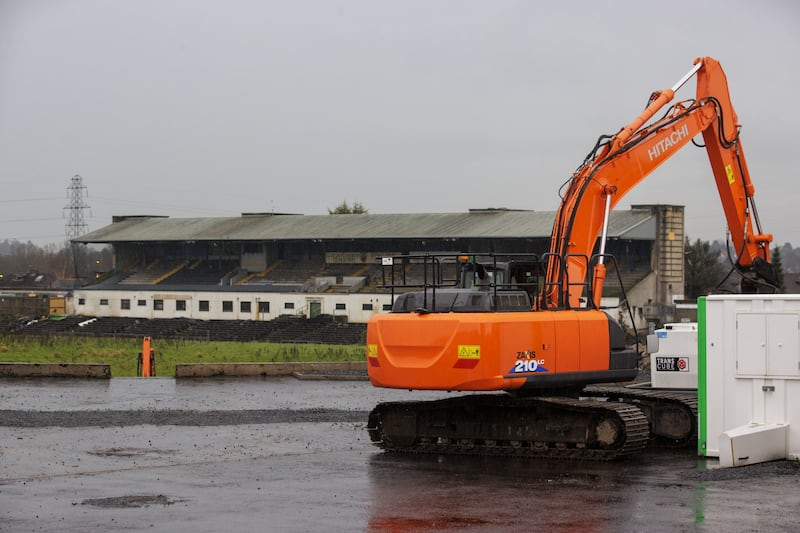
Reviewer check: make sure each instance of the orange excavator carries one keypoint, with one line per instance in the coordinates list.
(545, 355)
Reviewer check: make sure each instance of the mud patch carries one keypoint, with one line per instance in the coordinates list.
(412, 525)
(129, 502)
(131, 452)
(332, 375)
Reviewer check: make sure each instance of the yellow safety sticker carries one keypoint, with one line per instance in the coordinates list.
(729, 172)
(372, 350)
(469, 351)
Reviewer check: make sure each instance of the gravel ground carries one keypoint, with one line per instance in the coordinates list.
(282, 454)
(69, 419)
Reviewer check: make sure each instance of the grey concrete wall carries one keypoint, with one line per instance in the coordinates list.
(51, 370)
(269, 369)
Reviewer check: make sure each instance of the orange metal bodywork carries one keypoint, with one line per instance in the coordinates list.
(480, 351)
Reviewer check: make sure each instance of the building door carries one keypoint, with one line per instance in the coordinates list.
(58, 305)
(263, 310)
(314, 308)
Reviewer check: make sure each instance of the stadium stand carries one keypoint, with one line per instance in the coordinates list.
(261, 265)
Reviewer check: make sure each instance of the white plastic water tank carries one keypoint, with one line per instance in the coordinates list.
(673, 364)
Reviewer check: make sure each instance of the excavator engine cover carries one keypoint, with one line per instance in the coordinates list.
(497, 351)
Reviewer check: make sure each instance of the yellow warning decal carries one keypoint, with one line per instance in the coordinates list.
(372, 350)
(469, 351)
(729, 172)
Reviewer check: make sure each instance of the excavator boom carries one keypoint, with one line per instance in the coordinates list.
(625, 159)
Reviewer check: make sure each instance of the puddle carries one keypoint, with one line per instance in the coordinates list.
(129, 502)
(131, 452)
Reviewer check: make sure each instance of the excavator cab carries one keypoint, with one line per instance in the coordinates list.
(482, 277)
(461, 283)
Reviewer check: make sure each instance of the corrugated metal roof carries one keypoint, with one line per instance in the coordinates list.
(474, 224)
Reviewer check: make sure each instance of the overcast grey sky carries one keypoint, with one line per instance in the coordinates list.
(211, 108)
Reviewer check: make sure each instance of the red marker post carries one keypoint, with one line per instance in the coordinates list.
(147, 360)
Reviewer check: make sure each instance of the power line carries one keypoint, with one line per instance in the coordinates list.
(10, 220)
(28, 200)
(22, 240)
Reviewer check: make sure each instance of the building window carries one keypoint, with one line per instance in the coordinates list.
(244, 307)
(125, 304)
(288, 305)
(227, 306)
(158, 305)
(341, 307)
(263, 307)
(387, 307)
(81, 301)
(141, 303)
(103, 301)
(180, 305)
(366, 307)
(203, 305)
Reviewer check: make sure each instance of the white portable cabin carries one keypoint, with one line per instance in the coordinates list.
(749, 378)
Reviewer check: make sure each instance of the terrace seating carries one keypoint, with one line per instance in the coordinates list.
(149, 274)
(203, 272)
(630, 277)
(297, 270)
(412, 276)
(180, 266)
(259, 276)
(291, 274)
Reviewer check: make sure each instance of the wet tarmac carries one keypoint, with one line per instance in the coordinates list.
(86, 461)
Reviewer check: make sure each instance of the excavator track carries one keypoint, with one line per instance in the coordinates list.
(502, 425)
(672, 414)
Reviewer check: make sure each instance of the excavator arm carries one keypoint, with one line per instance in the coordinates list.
(619, 162)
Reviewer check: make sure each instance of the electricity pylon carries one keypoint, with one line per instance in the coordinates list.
(76, 222)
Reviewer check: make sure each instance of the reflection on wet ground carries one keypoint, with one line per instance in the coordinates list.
(661, 490)
(496, 494)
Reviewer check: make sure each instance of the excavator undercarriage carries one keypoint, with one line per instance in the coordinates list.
(672, 415)
(499, 424)
(604, 423)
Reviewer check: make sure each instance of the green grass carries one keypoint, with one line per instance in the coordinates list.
(122, 354)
